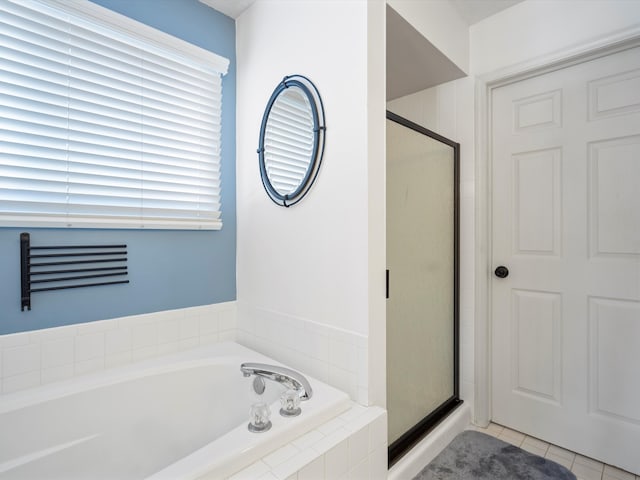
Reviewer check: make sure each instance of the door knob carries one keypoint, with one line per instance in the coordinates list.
(502, 272)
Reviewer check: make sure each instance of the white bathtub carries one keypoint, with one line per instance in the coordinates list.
(179, 416)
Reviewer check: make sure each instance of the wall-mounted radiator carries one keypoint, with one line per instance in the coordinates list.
(59, 267)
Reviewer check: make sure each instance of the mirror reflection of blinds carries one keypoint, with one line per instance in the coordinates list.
(100, 128)
(289, 147)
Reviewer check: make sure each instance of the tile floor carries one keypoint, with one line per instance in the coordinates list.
(582, 467)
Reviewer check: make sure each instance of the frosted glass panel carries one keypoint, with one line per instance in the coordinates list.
(420, 258)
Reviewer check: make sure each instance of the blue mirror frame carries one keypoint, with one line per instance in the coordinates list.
(309, 90)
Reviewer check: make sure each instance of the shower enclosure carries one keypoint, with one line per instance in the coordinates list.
(422, 281)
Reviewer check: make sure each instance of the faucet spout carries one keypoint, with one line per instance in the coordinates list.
(290, 378)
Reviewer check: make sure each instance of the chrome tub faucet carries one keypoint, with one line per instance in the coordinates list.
(290, 378)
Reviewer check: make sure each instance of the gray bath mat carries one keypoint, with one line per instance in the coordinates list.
(478, 456)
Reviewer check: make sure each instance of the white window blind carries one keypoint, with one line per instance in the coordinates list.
(103, 127)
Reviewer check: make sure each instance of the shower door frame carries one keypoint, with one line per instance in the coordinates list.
(411, 437)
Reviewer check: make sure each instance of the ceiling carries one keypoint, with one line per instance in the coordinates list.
(231, 8)
(472, 11)
(413, 63)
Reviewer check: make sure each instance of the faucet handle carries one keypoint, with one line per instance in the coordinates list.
(290, 401)
(259, 417)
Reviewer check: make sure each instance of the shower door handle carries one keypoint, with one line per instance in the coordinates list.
(387, 285)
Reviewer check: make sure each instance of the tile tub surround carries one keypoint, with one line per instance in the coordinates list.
(335, 356)
(351, 446)
(30, 359)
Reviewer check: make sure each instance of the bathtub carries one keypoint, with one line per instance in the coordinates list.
(178, 416)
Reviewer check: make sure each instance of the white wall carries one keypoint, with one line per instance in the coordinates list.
(309, 260)
(536, 28)
(448, 110)
(441, 24)
(304, 272)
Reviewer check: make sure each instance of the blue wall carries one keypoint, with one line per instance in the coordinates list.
(167, 269)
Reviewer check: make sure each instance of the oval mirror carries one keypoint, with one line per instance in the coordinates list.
(291, 140)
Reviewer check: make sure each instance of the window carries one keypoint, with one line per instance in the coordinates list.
(105, 122)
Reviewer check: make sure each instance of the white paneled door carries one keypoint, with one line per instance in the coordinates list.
(566, 225)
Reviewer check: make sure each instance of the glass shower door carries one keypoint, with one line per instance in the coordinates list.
(422, 258)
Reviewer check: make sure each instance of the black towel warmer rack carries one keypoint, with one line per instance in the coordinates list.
(90, 262)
